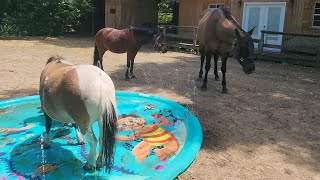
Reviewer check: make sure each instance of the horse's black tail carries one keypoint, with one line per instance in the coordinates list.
(108, 135)
(96, 58)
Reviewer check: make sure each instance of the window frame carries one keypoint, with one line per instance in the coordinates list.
(314, 14)
(215, 4)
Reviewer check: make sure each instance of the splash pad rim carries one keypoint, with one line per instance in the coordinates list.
(188, 152)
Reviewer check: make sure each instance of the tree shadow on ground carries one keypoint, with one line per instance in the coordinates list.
(274, 106)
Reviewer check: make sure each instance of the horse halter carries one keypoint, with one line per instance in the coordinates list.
(157, 44)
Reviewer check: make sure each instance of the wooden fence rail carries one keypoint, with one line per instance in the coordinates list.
(182, 36)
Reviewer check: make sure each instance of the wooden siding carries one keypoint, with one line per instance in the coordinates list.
(132, 12)
(308, 17)
(298, 19)
(190, 11)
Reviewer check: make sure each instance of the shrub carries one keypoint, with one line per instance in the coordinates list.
(42, 17)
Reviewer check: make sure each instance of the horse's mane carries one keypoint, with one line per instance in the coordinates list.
(142, 31)
(227, 14)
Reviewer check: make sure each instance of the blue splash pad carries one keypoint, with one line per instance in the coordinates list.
(22, 156)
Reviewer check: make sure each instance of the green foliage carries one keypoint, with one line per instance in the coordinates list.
(164, 18)
(41, 17)
(166, 11)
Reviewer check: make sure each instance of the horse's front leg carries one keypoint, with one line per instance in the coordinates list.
(127, 71)
(216, 58)
(130, 63)
(92, 140)
(224, 70)
(47, 139)
(208, 66)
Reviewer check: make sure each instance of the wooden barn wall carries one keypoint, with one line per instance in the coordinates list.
(298, 19)
(138, 12)
(308, 17)
(133, 12)
(190, 11)
(114, 4)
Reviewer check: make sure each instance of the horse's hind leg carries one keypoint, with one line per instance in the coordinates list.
(224, 70)
(202, 57)
(92, 140)
(216, 58)
(47, 139)
(100, 160)
(208, 66)
(79, 136)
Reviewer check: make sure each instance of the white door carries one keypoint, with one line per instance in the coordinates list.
(264, 16)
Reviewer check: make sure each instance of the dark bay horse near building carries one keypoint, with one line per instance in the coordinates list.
(127, 41)
(219, 34)
(80, 95)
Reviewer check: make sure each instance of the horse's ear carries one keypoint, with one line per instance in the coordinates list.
(237, 33)
(251, 31)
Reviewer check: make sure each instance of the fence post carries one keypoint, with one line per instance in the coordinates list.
(261, 43)
(194, 37)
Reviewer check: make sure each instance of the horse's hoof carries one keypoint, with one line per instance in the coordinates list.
(46, 146)
(99, 166)
(217, 78)
(204, 88)
(88, 167)
(99, 163)
(224, 91)
(200, 76)
(127, 78)
(68, 124)
(81, 142)
(133, 76)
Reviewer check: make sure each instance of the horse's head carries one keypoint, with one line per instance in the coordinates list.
(58, 59)
(54, 58)
(243, 50)
(159, 42)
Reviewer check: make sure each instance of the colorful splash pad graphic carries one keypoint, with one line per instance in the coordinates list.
(165, 150)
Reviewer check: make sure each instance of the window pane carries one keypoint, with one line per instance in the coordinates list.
(317, 5)
(254, 17)
(317, 11)
(316, 23)
(273, 22)
(316, 18)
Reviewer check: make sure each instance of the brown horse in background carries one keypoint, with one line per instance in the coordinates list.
(219, 34)
(127, 41)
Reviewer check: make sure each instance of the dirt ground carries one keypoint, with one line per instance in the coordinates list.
(266, 127)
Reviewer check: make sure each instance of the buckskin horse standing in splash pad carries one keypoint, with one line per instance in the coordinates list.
(219, 34)
(81, 95)
(127, 41)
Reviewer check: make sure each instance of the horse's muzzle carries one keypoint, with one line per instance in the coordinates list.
(163, 48)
